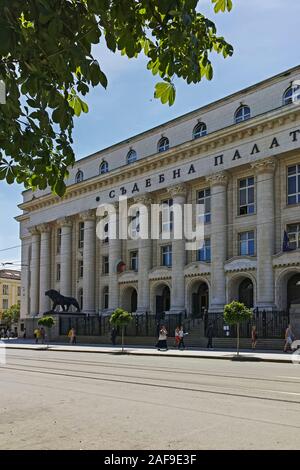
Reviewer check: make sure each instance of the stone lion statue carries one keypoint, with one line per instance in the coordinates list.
(64, 302)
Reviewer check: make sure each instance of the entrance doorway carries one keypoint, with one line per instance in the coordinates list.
(200, 299)
(293, 290)
(246, 293)
(162, 300)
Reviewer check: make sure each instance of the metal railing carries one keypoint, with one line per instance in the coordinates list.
(269, 324)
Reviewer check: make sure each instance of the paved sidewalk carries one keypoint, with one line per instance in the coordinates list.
(246, 355)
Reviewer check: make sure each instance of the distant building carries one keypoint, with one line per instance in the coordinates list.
(10, 288)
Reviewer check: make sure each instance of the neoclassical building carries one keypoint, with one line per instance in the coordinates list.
(238, 157)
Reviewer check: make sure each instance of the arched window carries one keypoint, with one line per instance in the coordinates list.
(291, 95)
(131, 156)
(103, 167)
(200, 130)
(163, 144)
(79, 176)
(242, 114)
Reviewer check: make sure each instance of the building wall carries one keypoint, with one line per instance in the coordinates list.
(261, 147)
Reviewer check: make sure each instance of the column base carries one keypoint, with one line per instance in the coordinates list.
(176, 311)
(216, 308)
(268, 307)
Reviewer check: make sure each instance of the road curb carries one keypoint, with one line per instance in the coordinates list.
(230, 357)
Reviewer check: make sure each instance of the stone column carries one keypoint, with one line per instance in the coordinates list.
(66, 257)
(265, 233)
(144, 257)
(45, 263)
(115, 252)
(89, 255)
(218, 184)
(178, 194)
(34, 271)
(25, 278)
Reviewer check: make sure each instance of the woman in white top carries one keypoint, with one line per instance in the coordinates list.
(162, 339)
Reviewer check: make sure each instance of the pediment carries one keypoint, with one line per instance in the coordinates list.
(196, 268)
(128, 276)
(240, 263)
(287, 258)
(160, 273)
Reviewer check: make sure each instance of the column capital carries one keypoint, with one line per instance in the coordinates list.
(217, 179)
(64, 222)
(34, 230)
(266, 165)
(44, 228)
(87, 215)
(144, 200)
(177, 190)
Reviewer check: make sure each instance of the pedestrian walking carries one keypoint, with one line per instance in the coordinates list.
(177, 338)
(289, 338)
(181, 344)
(43, 334)
(210, 335)
(72, 335)
(8, 333)
(253, 337)
(24, 333)
(162, 339)
(37, 335)
(113, 336)
(2, 333)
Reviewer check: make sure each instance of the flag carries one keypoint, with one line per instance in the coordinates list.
(286, 242)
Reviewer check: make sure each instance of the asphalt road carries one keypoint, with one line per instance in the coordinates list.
(73, 400)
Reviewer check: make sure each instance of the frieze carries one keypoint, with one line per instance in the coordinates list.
(202, 165)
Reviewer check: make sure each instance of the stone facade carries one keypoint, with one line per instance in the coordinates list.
(241, 169)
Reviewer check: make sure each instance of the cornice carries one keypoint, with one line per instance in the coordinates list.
(182, 152)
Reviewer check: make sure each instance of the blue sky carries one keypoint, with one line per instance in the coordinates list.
(265, 37)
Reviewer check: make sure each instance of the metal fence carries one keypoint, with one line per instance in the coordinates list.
(269, 324)
(141, 325)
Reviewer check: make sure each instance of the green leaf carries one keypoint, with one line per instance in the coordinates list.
(222, 5)
(165, 91)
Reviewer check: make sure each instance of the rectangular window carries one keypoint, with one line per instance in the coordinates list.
(58, 240)
(19, 291)
(81, 235)
(105, 264)
(167, 216)
(204, 253)
(5, 304)
(247, 243)
(5, 289)
(134, 261)
(80, 268)
(293, 185)
(105, 298)
(58, 272)
(166, 255)
(293, 232)
(246, 196)
(204, 198)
